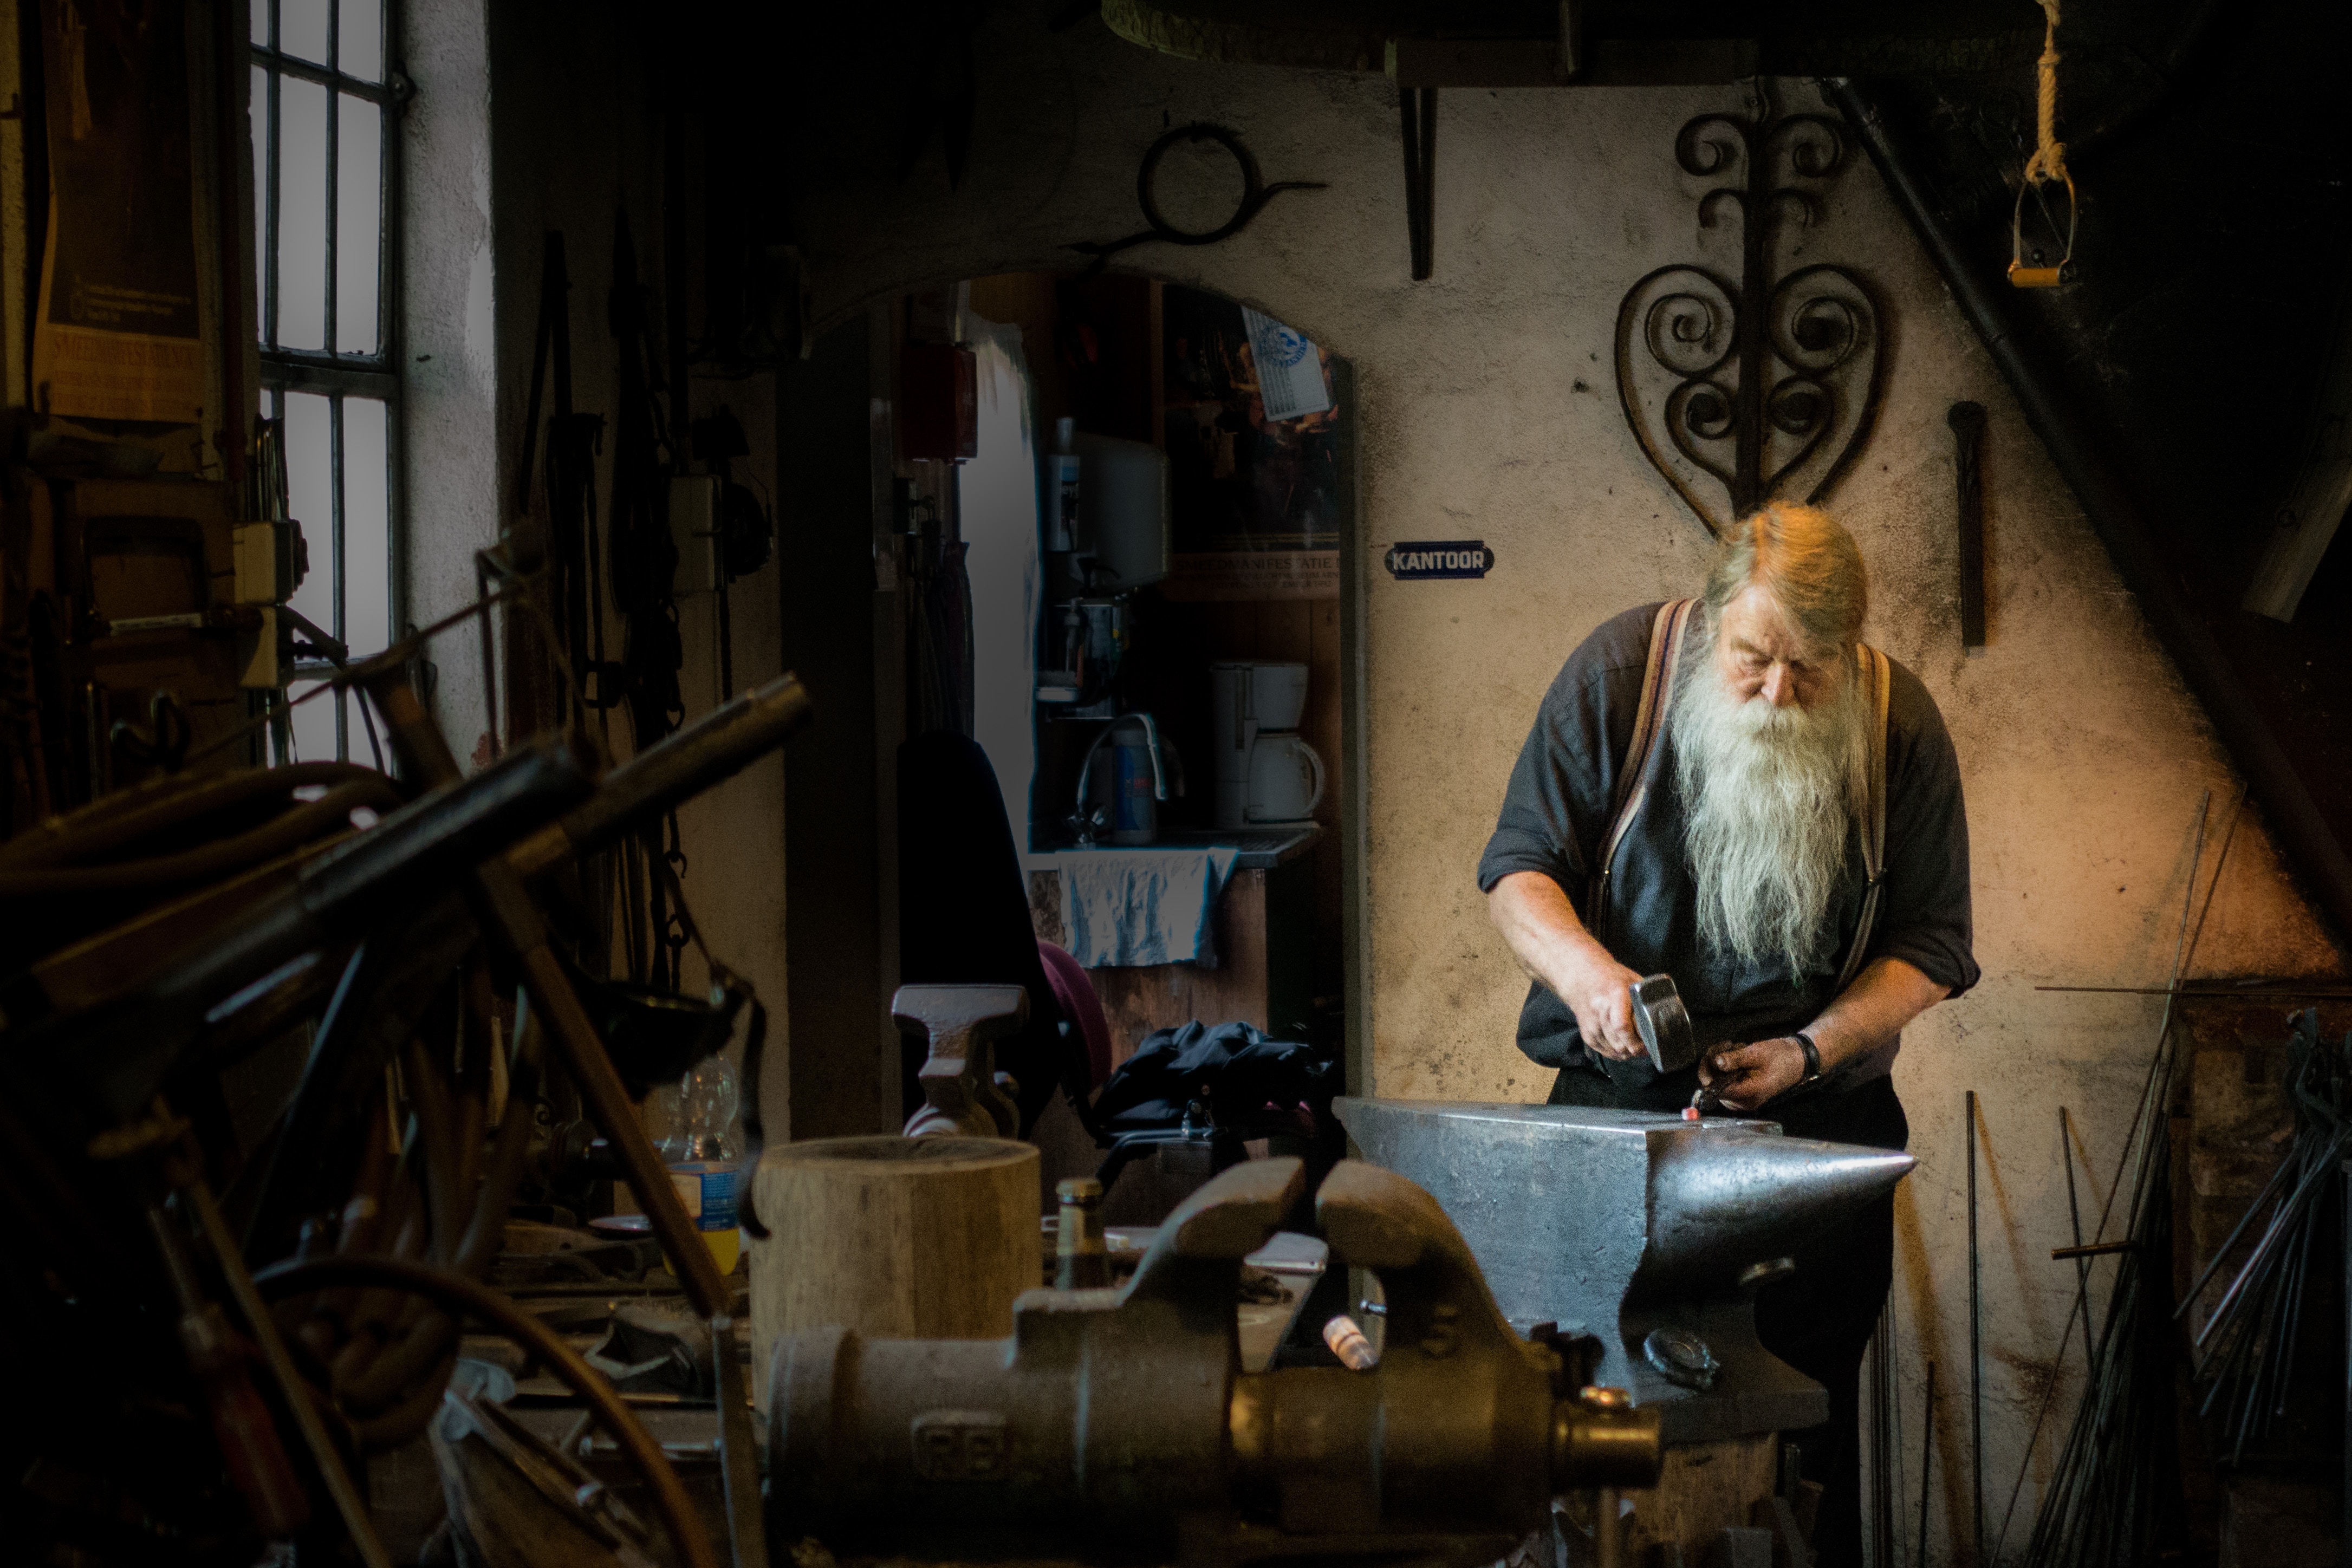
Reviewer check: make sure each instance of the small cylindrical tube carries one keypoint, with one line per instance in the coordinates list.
(1081, 1259)
(1347, 1342)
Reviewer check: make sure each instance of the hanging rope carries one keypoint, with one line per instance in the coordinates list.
(2046, 167)
(2048, 160)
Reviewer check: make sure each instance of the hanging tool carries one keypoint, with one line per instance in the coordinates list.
(1968, 423)
(2046, 168)
(1417, 118)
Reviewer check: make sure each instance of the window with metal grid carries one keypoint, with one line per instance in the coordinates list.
(325, 108)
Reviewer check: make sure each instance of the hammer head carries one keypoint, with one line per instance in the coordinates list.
(1664, 1024)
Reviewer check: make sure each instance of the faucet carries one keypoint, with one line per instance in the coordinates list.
(1086, 820)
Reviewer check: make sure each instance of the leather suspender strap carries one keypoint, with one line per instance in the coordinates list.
(1871, 667)
(1659, 674)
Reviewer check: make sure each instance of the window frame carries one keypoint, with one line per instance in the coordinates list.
(326, 372)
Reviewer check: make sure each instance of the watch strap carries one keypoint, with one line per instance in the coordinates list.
(1812, 1057)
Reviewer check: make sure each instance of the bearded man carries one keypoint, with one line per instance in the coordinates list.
(1736, 861)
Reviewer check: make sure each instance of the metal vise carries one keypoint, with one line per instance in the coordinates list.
(1647, 1231)
(1116, 1423)
(963, 1095)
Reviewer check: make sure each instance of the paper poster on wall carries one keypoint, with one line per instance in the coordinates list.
(117, 335)
(1240, 479)
(1289, 368)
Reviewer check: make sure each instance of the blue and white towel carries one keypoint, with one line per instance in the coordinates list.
(1125, 908)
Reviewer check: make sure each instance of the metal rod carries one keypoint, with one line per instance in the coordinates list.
(1976, 1341)
(2319, 993)
(2312, 844)
(1968, 423)
(2094, 1249)
(1883, 1438)
(1927, 1449)
(1417, 118)
(2345, 1204)
(2075, 1217)
(2278, 1179)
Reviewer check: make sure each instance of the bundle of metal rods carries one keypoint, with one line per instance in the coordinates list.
(2246, 1349)
(2110, 1493)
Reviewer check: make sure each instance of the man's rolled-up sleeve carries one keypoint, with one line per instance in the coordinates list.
(1926, 918)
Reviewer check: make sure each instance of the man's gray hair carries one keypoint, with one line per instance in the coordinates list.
(1806, 562)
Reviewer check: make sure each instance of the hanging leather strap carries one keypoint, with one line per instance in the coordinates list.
(1659, 674)
(1878, 685)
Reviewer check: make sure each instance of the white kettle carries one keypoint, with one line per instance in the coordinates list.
(1285, 778)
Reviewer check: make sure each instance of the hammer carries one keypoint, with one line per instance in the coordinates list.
(1664, 1025)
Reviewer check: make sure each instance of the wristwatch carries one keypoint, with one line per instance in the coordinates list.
(1812, 1057)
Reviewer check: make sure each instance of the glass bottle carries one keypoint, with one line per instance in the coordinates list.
(704, 1154)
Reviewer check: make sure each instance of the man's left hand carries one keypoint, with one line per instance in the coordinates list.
(1744, 1077)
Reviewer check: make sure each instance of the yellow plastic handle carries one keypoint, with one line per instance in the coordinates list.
(2032, 276)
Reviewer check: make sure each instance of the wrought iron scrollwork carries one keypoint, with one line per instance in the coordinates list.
(1762, 385)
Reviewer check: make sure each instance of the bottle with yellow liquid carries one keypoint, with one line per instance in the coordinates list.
(704, 1166)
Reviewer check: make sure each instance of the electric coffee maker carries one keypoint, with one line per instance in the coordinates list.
(1265, 774)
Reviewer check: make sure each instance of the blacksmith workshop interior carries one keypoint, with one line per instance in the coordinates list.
(1548, 783)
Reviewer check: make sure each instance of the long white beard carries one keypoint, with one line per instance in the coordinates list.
(1767, 796)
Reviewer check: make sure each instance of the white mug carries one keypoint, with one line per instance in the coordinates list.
(1285, 778)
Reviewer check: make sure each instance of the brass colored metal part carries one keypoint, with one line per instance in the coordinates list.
(1119, 1421)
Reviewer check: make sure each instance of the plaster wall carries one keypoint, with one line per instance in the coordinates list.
(529, 120)
(1488, 411)
(450, 497)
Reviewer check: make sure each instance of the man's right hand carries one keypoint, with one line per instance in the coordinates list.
(1552, 945)
(1600, 992)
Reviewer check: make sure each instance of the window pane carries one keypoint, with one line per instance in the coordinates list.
(359, 223)
(261, 22)
(359, 45)
(302, 213)
(259, 113)
(310, 501)
(367, 536)
(302, 30)
(313, 724)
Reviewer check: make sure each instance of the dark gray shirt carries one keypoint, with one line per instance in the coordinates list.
(1557, 809)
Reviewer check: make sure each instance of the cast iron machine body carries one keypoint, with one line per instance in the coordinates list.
(1117, 1423)
(1646, 1230)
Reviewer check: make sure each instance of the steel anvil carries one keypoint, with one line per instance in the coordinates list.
(1647, 1231)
